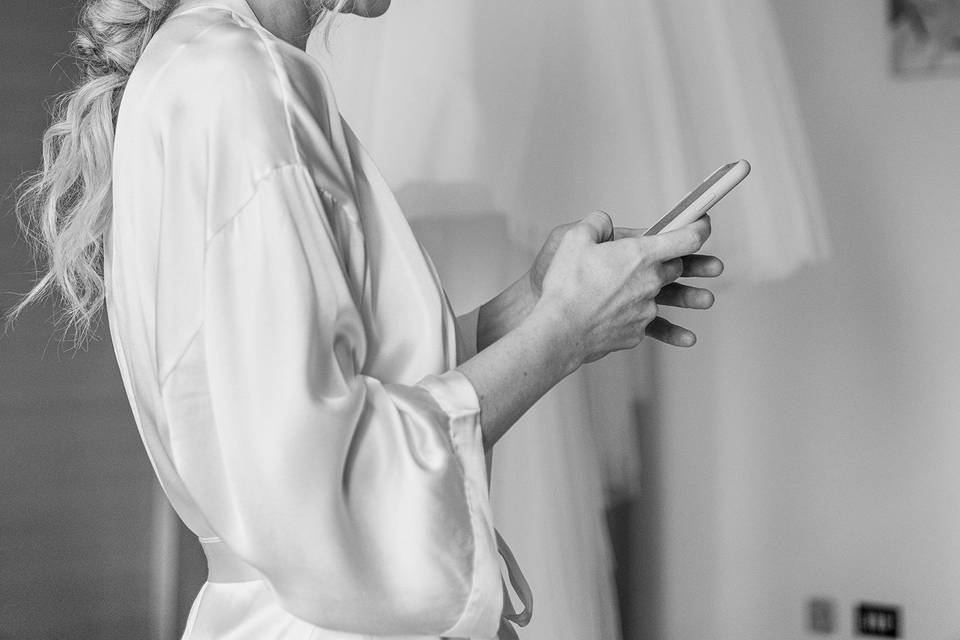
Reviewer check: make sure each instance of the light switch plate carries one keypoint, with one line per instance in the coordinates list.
(877, 620)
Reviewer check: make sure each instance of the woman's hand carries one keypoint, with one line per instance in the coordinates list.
(594, 296)
(694, 266)
(606, 283)
(679, 295)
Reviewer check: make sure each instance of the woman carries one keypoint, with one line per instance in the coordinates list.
(312, 407)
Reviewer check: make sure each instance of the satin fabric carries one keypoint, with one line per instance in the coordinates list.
(289, 352)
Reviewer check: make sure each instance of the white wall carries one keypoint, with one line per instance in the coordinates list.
(810, 443)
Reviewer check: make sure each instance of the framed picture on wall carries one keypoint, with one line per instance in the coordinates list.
(925, 37)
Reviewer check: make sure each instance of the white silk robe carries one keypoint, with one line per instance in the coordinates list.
(289, 353)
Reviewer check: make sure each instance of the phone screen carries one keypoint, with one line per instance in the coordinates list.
(690, 199)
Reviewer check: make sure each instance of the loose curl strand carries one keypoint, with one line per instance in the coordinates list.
(64, 208)
(324, 13)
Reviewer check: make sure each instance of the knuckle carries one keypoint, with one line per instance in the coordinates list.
(579, 233)
(567, 226)
(671, 270)
(676, 268)
(648, 311)
(699, 299)
(660, 274)
(603, 214)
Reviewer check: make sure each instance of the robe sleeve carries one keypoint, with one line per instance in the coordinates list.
(364, 504)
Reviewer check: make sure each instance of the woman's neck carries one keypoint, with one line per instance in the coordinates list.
(289, 20)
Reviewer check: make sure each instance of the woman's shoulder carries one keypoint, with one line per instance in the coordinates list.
(214, 73)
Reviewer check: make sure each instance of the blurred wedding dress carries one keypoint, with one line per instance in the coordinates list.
(495, 121)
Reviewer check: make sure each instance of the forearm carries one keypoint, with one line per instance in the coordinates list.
(505, 312)
(515, 371)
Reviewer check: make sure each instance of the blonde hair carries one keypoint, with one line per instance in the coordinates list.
(65, 207)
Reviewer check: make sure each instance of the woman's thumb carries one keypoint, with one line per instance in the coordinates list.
(600, 225)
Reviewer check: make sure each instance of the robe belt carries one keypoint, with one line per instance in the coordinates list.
(520, 585)
(223, 565)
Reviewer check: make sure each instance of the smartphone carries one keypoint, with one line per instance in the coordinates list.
(699, 201)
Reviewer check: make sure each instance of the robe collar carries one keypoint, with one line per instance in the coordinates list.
(240, 7)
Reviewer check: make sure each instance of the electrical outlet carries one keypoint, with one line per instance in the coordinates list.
(877, 620)
(822, 615)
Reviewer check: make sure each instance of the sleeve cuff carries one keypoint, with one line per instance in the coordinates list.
(467, 335)
(455, 394)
